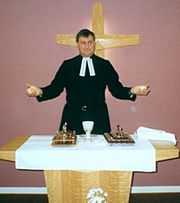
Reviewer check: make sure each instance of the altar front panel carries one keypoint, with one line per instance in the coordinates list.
(73, 186)
(116, 183)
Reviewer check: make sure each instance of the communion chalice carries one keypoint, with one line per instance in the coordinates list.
(88, 127)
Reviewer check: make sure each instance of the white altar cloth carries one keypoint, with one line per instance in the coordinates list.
(37, 153)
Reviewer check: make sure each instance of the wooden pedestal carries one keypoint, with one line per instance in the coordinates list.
(72, 186)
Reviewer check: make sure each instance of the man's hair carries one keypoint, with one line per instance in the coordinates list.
(84, 33)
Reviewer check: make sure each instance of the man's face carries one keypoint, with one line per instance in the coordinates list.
(86, 46)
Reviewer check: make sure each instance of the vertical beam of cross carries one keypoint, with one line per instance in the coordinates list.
(98, 27)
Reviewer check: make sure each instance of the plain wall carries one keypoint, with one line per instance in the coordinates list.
(29, 54)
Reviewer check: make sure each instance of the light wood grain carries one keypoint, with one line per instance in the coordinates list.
(103, 41)
(165, 150)
(8, 151)
(72, 186)
(54, 184)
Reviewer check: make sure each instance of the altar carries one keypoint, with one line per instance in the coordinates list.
(67, 186)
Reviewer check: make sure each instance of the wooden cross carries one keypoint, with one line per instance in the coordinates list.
(103, 41)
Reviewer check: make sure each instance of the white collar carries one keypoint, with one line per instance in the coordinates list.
(90, 66)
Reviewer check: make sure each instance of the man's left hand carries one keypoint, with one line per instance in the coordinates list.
(141, 90)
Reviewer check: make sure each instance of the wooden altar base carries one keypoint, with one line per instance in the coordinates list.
(73, 186)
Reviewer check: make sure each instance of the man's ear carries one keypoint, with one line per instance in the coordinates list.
(77, 45)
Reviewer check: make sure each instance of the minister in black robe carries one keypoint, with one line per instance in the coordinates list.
(85, 94)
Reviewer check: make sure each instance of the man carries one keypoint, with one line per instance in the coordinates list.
(85, 78)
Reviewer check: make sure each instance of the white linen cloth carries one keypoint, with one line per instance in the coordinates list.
(37, 153)
(84, 62)
(144, 133)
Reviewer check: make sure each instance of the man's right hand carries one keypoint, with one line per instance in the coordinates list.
(33, 91)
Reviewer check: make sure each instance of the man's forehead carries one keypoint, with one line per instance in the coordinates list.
(84, 38)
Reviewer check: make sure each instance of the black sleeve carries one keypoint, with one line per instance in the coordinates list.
(55, 88)
(116, 87)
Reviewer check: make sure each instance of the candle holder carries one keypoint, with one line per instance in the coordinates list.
(64, 137)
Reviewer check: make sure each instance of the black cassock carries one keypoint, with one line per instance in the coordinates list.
(85, 96)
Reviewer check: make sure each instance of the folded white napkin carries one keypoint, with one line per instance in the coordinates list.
(144, 133)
